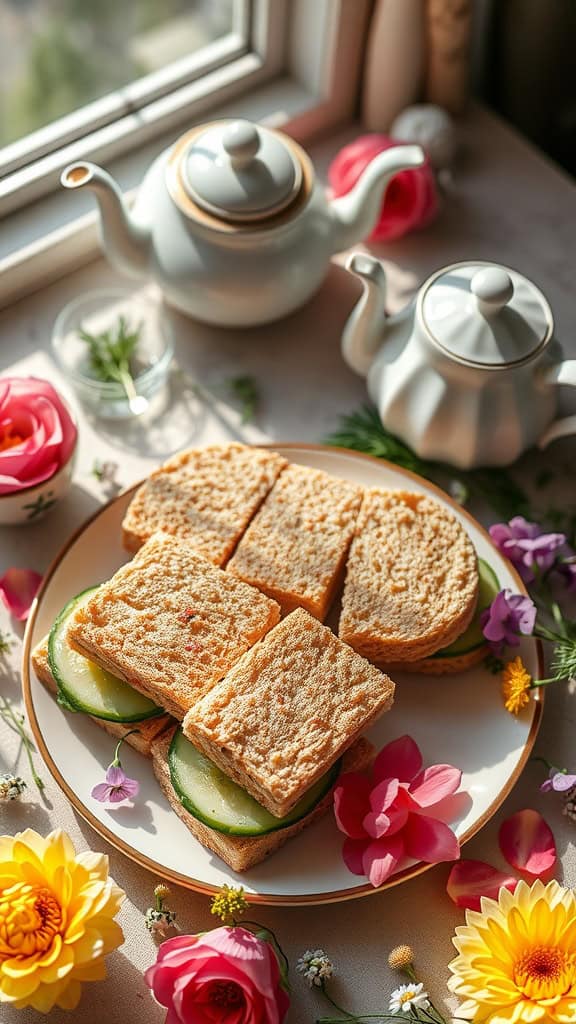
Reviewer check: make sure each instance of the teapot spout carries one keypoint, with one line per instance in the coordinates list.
(126, 243)
(363, 333)
(355, 214)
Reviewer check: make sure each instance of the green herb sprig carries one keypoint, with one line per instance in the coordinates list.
(111, 353)
(245, 390)
(362, 431)
(16, 722)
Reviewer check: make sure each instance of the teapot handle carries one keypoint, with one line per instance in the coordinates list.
(560, 373)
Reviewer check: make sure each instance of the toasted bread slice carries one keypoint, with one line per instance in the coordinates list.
(411, 581)
(295, 548)
(170, 623)
(287, 711)
(437, 666)
(148, 730)
(205, 496)
(244, 852)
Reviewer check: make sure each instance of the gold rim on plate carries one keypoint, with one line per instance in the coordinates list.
(335, 896)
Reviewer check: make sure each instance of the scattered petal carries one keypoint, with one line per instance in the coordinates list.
(430, 840)
(527, 843)
(351, 803)
(435, 783)
(470, 879)
(18, 588)
(400, 759)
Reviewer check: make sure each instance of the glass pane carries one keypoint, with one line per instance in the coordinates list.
(58, 55)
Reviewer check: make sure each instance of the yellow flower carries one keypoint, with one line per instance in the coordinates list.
(515, 686)
(517, 962)
(56, 927)
(229, 904)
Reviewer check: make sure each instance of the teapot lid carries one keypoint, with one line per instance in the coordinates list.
(485, 314)
(240, 171)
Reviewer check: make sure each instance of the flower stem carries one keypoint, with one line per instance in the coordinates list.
(116, 763)
(340, 1009)
(8, 713)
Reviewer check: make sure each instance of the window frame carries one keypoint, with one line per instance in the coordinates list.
(292, 78)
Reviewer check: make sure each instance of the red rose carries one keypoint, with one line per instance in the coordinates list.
(411, 199)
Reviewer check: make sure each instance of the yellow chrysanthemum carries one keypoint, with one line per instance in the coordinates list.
(515, 686)
(56, 927)
(517, 957)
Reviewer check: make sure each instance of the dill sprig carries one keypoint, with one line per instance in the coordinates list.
(245, 390)
(16, 722)
(6, 642)
(111, 353)
(362, 431)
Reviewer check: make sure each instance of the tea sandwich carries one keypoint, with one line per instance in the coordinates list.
(204, 496)
(295, 547)
(148, 729)
(170, 623)
(411, 585)
(287, 711)
(231, 823)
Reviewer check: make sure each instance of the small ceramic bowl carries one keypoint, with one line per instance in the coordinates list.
(97, 312)
(32, 503)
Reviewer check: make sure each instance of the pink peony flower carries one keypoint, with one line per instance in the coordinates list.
(411, 199)
(228, 974)
(37, 433)
(396, 813)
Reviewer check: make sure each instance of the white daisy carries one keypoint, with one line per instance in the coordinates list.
(408, 997)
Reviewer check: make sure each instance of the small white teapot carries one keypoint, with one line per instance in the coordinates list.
(468, 373)
(231, 222)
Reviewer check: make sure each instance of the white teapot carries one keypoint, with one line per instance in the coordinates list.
(231, 222)
(469, 372)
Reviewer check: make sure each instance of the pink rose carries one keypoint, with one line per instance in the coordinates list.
(228, 974)
(37, 433)
(411, 199)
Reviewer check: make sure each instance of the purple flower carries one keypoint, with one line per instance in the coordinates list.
(508, 616)
(560, 782)
(567, 568)
(117, 787)
(527, 546)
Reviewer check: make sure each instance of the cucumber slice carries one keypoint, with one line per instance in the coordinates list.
(473, 637)
(209, 795)
(83, 686)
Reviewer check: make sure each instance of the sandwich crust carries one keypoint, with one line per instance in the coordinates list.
(412, 579)
(170, 623)
(244, 852)
(148, 730)
(287, 711)
(295, 547)
(205, 496)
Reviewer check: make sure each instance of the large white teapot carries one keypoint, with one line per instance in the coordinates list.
(469, 372)
(232, 223)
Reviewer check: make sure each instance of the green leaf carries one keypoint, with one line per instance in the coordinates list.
(245, 390)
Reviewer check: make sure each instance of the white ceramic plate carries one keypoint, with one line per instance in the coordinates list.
(457, 719)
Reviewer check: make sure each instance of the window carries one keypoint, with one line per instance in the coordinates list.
(60, 55)
(116, 81)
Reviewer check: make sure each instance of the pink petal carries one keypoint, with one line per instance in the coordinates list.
(434, 783)
(400, 759)
(384, 794)
(471, 879)
(115, 775)
(379, 823)
(380, 858)
(18, 588)
(353, 854)
(430, 840)
(527, 843)
(351, 803)
(101, 792)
